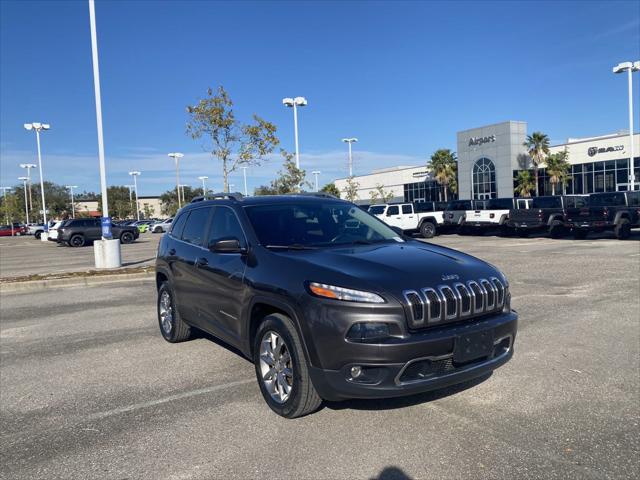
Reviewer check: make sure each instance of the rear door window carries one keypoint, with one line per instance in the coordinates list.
(194, 228)
(547, 202)
(406, 209)
(178, 225)
(393, 210)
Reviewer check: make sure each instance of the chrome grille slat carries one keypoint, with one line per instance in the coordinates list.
(428, 306)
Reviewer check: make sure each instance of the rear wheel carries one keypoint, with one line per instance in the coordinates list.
(427, 229)
(76, 241)
(172, 327)
(623, 229)
(38, 234)
(126, 237)
(556, 229)
(281, 368)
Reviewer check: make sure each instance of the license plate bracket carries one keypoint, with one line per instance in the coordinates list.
(472, 346)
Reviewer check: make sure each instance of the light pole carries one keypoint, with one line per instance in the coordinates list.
(4, 204)
(350, 141)
(629, 67)
(26, 204)
(135, 174)
(295, 103)
(316, 173)
(244, 175)
(130, 187)
(29, 166)
(73, 206)
(203, 178)
(176, 157)
(38, 127)
(182, 185)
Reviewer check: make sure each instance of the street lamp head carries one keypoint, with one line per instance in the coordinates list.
(203, 177)
(300, 101)
(24, 179)
(636, 66)
(349, 140)
(28, 165)
(28, 126)
(316, 172)
(45, 126)
(288, 102)
(71, 186)
(134, 173)
(176, 155)
(623, 67)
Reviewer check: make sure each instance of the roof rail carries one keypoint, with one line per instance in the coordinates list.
(236, 196)
(314, 194)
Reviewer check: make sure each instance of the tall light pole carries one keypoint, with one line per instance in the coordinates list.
(244, 175)
(107, 251)
(176, 157)
(4, 204)
(295, 103)
(316, 173)
(135, 174)
(26, 204)
(29, 166)
(203, 178)
(350, 141)
(38, 127)
(73, 206)
(629, 67)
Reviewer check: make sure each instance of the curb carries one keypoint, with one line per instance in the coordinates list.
(31, 285)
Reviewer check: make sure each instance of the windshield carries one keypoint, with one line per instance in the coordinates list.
(377, 210)
(317, 224)
(547, 202)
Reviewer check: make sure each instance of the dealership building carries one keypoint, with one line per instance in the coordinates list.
(489, 158)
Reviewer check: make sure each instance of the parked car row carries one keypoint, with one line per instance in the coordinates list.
(555, 215)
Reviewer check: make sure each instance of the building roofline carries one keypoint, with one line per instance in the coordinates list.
(492, 125)
(383, 172)
(595, 139)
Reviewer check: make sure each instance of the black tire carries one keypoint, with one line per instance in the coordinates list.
(427, 229)
(176, 330)
(76, 241)
(505, 230)
(126, 237)
(556, 229)
(623, 229)
(38, 234)
(303, 398)
(580, 234)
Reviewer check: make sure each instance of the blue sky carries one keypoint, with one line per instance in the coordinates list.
(403, 77)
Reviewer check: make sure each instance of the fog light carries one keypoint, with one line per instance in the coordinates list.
(356, 372)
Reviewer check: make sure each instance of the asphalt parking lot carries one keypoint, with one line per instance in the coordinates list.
(88, 388)
(21, 256)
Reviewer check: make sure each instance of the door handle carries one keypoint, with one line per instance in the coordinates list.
(202, 262)
(172, 251)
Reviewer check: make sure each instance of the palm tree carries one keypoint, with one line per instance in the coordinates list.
(557, 169)
(525, 183)
(444, 168)
(537, 145)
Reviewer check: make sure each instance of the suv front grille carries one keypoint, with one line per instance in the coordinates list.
(432, 306)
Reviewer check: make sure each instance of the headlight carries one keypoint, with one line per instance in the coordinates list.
(341, 293)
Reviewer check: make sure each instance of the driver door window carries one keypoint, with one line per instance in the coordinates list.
(225, 225)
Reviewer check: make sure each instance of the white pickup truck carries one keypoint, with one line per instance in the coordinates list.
(494, 215)
(423, 217)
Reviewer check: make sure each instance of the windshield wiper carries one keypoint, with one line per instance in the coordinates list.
(293, 246)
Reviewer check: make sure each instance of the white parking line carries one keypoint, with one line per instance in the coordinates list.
(170, 398)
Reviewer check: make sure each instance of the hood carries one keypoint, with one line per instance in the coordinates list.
(394, 267)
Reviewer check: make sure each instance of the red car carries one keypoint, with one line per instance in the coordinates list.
(10, 230)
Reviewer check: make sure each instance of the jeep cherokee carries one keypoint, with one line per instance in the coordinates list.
(328, 301)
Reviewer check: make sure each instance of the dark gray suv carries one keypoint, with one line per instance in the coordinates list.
(328, 301)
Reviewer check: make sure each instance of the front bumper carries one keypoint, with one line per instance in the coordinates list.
(420, 362)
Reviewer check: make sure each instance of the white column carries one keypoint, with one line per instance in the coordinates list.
(295, 133)
(632, 182)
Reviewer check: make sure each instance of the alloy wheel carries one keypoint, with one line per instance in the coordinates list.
(166, 313)
(276, 367)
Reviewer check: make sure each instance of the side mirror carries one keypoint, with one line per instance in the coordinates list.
(227, 245)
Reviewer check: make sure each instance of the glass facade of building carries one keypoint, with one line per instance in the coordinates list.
(594, 177)
(484, 179)
(427, 191)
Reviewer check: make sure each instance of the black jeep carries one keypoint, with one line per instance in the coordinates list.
(617, 211)
(546, 214)
(328, 301)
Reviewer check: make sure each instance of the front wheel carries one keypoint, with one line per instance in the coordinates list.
(126, 237)
(172, 327)
(427, 229)
(38, 234)
(556, 229)
(281, 368)
(76, 241)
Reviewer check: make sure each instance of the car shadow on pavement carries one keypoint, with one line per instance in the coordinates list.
(402, 402)
(392, 473)
(128, 264)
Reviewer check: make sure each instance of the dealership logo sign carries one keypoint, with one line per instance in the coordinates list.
(473, 141)
(593, 151)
